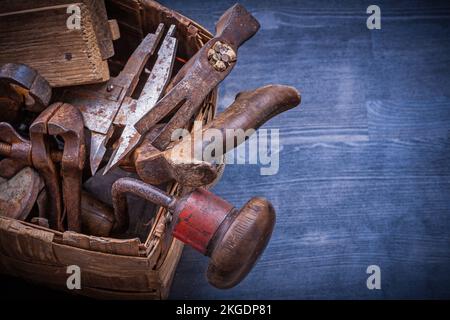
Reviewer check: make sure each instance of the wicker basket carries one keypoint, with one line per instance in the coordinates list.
(110, 268)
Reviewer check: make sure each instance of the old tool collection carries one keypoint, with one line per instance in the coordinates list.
(49, 146)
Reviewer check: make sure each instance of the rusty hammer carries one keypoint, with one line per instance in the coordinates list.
(250, 110)
(198, 77)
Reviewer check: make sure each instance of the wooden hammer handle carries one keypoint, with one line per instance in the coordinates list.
(252, 109)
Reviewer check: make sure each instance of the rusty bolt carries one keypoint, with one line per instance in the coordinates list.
(221, 55)
(220, 66)
(6, 149)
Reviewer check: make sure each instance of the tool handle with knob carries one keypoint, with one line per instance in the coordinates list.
(233, 239)
(251, 109)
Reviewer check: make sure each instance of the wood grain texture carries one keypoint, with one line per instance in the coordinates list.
(365, 161)
(40, 38)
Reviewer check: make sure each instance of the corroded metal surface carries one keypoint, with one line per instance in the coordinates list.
(250, 110)
(233, 239)
(42, 161)
(132, 111)
(19, 194)
(99, 104)
(67, 122)
(29, 82)
(125, 186)
(199, 77)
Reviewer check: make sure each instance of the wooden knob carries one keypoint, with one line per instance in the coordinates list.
(239, 243)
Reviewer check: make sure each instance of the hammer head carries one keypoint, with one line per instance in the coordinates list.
(176, 163)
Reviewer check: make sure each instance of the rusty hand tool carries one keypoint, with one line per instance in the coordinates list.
(100, 104)
(35, 153)
(18, 194)
(11, 103)
(17, 151)
(41, 160)
(133, 110)
(250, 110)
(233, 239)
(96, 218)
(203, 72)
(67, 122)
(20, 151)
(27, 81)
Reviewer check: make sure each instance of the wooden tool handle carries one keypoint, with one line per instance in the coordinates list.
(252, 109)
(236, 26)
(240, 242)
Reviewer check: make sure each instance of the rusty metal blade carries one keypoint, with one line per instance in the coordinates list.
(132, 111)
(200, 75)
(98, 150)
(100, 104)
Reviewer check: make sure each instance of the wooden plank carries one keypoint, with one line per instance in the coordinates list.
(40, 38)
(25, 242)
(102, 263)
(127, 247)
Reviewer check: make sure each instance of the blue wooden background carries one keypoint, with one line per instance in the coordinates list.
(365, 161)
